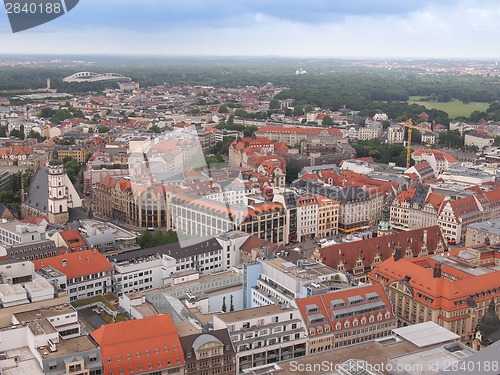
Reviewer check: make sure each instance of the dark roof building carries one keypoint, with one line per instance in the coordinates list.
(209, 353)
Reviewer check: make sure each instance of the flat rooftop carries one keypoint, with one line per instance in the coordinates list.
(426, 334)
(39, 323)
(491, 226)
(254, 312)
(371, 352)
(310, 269)
(69, 346)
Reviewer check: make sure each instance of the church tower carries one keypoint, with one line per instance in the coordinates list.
(385, 227)
(58, 192)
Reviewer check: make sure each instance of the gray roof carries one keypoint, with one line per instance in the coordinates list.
(204, 339)
(174, 250)
(344, 195)
(38, 192)
(425, 334)
(420, 196)
(100, 239)
(490, 226)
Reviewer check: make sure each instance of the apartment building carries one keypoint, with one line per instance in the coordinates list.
(50, 323)
(372, 129)
(293, 136)
(276, 280)
(209, 353)
(346, 317)
(31, 250)
(456, 215)
(86, 273)
(17, 232)
(483, 232)
(416, 208)
(146, 269)
(328, 216)
(76, 152)
(355, 205)
(142, 346)
(264, 335)
(452, 290)
(479, 140)
(396, 134)
(307, 217)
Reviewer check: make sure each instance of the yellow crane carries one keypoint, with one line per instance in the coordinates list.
(410, 126)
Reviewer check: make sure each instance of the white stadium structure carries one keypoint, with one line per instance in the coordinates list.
(96, 77)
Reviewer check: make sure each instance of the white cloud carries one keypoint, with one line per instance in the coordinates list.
(463, 29)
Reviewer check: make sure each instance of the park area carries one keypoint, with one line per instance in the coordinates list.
(454, 108)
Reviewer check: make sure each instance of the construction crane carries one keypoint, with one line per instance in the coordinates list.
(410, 126)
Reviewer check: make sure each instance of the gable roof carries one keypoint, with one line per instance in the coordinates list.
(352, 304)
(367, 250)
(143, 345)
(38, 191)
(78, 264)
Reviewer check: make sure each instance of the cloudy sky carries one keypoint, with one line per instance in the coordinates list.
(305, 28)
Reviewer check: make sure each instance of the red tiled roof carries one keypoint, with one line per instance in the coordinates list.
(34, 220)
(316, 307)
(143, 345)
(444, 291)
(309, 131)
(368, 249)
(78, 264)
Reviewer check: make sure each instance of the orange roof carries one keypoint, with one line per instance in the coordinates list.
(139, 346)
(309, 131)
(71, 236)
(383, 247)
(34, 220)
(444, 292)
(314, 308)
(81, 263)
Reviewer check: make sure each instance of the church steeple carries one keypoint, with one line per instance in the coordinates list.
(385, 226)
(58, 191)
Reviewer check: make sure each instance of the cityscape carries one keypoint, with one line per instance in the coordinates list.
(253, 201)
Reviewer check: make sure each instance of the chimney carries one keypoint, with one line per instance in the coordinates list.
(437, 271)
(397, 253)
(88, 259)
(63, 262)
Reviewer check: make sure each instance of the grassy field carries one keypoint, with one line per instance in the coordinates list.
(455, 108)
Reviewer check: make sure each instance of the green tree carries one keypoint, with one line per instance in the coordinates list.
(327, 120)
(224, 304)
(145, 240)
(240, 112)
(155, 128)
(297, 110)
(496, 142)
(308, 108)
(292, 172)
(16, 133)
(103, 129)
(72, 168)
(223, 109)
(35, 134)
(274, 104)
(231, 307)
